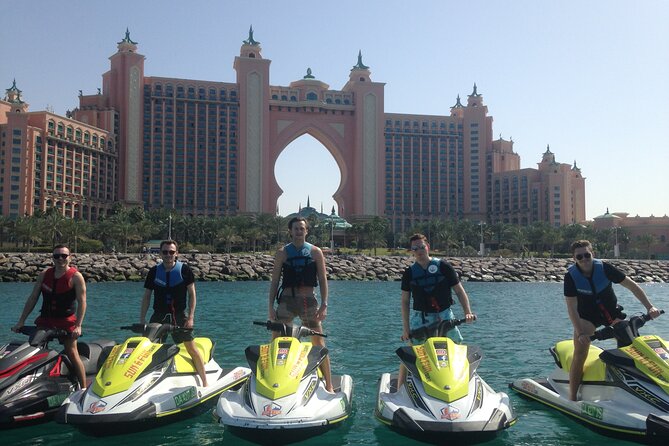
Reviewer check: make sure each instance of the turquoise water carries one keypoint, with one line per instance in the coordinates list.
(517, 323)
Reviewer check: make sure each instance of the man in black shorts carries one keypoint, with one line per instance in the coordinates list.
(591, 302)
(170, 282)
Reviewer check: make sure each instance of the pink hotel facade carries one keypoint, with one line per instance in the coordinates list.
(209, 148)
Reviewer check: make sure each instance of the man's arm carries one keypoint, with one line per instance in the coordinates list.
(405, 301)
(146, 300)
(464, 301)
(640, 294)
(80, 290)
(192, 302)
(30, 303)
(279, 258)
(319, 258)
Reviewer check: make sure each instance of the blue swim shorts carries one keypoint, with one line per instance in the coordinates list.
(419, 319)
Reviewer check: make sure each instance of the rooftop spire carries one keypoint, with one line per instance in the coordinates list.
(309, 75)
(360, 65)
(127, 38)
(251, 40)
(458, 104)
(474, 92)
(13, 94)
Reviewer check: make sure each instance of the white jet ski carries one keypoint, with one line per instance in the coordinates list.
(625, 390)
(285, 396)
(144, 383)
(443, 398)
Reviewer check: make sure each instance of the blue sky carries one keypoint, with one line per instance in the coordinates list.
(590, 78)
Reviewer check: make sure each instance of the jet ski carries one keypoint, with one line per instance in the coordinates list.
(35, 379)
(145, 383)
(286, 394)
(443, 397)
(625, 390)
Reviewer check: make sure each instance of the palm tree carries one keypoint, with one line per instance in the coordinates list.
(646, 241)
(6, 225)
(229, 235)
(376, 232)
(73, 229)
(28, 230)
(52, 223)
(517, 238)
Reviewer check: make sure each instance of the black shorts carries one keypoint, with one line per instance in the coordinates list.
(178, 335)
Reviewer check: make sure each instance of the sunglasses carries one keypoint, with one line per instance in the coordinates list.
(417, 247)
(169, 252)
(587, 255)
(61, 256)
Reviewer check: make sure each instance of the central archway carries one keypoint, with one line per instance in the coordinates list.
(306, 169)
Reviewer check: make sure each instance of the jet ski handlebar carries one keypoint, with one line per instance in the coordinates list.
(153, 331)
(624, 331)
(436, 329)
(296, 331)
(41, 336)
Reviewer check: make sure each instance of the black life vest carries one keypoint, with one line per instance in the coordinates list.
(299, 269)
(58, 294)
(429, 288)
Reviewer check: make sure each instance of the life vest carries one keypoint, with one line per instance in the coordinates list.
(430, 291)
(58, 294)
(595, 294)
(169, 289)
(299, 269)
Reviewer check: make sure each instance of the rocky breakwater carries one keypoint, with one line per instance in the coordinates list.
(23, 267)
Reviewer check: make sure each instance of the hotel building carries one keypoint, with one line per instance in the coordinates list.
(209, 148)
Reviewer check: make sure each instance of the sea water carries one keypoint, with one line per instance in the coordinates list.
(517, 323)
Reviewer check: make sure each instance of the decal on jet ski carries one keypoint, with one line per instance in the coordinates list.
(271, 410)
(139, 362)
(424, 361)
(264, 359)
(309, 391)
(56, 400)
(415, 396)
(652, 367)
(662, 353)
(592, 411)
(125, 355)
(297, 367)
(442, 358)
(185, 396)
(528, 387)
(450, 413)
(281, 356)
(97, 407)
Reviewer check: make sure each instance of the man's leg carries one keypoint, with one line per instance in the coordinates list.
(325, 364)
(73, 354)
(197, 360)
(581, 350)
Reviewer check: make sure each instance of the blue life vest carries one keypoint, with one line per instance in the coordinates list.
(166, 299)
(299, 269)
(430, 291)
(597, 301)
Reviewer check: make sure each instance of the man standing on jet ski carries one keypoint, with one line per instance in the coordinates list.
(301, 267)
(591, 302)
(170, 281)
(63, 289)
(430, 282)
